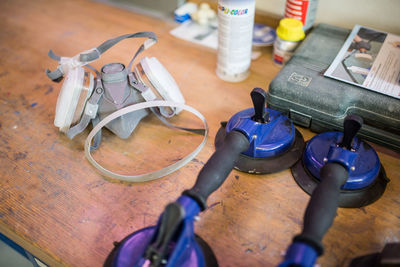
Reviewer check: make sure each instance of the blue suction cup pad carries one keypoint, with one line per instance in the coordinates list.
(266, 139)
(361, 161)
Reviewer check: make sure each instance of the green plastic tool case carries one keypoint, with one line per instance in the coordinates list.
(311, 100)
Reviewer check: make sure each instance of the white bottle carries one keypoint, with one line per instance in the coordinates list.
(235, 35)
(288, 36)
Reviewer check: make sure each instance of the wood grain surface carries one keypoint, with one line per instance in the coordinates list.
(54, 203)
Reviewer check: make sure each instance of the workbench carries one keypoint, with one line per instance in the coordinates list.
(57, 206)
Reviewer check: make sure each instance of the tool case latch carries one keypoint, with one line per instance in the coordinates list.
(300, 118)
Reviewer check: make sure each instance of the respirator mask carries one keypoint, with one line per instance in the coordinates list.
(117, 98)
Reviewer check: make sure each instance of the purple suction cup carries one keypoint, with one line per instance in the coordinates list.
(171, 243)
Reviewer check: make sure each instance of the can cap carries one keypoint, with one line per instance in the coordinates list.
(290, 29)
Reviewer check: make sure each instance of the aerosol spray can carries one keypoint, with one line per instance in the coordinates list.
(303, 10)
(235, 35)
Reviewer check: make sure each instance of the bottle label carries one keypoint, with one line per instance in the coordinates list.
(283, 50)
(303, 10)
(281, 56)
(235, 35)
(233, 12)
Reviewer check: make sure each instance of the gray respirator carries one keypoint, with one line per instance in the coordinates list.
(118, 98)
(84, 98)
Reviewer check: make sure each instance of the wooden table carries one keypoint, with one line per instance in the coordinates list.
(54, 203)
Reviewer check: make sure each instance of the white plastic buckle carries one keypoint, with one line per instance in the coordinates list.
(148, 94)
(68, 63)
(91, 110)
(148, 43)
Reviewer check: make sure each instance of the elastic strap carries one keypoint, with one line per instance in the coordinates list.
(165, 121)
(93, 69)
(141, 48)
(95, 54)
(152, 175)
(149, 95)
(87, 57)
(56, 75)
(97, 137)
(53, 56)
(89, 112)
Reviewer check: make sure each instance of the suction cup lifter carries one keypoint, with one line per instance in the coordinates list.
(173, 242)
(275, 144)
(342, 159)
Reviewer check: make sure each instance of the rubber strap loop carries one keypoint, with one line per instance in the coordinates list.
(151, 175)
(97, 137)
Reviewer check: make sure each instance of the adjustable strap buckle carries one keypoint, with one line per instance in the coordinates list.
(67, 63)
(145, 91)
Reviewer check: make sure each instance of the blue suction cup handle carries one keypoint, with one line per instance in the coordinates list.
(321, 209)
(259, 98)
(324, 201)
(218, 167)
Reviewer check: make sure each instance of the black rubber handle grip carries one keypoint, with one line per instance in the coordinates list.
(218, 167)
(323, 204)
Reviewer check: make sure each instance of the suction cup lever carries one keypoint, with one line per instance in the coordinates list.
(259, 98)
(351, 125)
(319, 216)
(218, 167)
(170, 222)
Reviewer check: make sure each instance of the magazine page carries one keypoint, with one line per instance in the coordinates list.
(369, 59)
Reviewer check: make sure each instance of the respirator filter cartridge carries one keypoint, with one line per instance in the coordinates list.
(75, 91)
